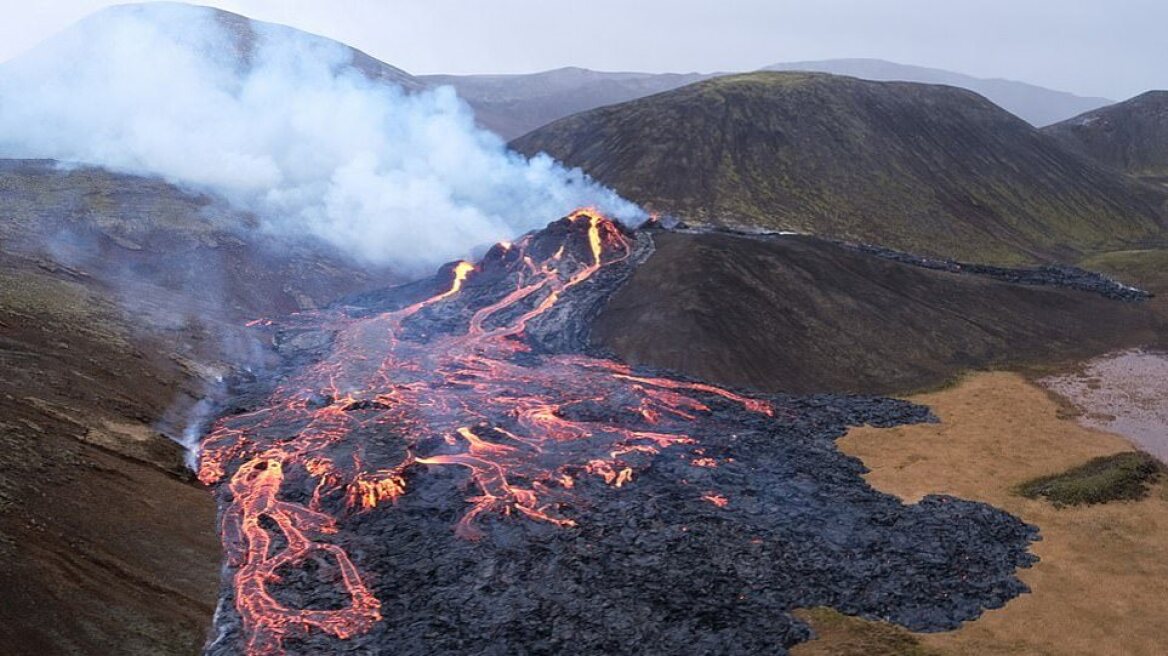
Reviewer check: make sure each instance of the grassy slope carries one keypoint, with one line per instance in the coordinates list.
(1131, 136)
(923, 168)
(1145, 268)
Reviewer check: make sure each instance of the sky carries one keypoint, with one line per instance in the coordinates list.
(1115, 48)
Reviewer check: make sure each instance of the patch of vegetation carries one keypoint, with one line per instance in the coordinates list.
(1144, 268)
(843, 635)
(1119, 477)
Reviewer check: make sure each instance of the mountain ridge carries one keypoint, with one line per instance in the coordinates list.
(1035, 104)
(1131, 136)
(929, 169)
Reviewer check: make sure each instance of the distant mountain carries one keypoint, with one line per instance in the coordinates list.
(930, 169)
(1131, 135)
(244, 32)
(1037, 105)
(512, 105)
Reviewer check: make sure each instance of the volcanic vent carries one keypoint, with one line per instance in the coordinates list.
(455, 472)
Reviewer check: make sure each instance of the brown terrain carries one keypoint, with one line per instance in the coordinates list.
(1098, 586)
(1131, 136)
(108, 545)
(122, 303)
(800, 314)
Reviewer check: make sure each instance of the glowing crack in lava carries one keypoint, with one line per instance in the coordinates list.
(454, 378)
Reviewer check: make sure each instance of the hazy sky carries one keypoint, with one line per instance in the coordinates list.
(1114, 48)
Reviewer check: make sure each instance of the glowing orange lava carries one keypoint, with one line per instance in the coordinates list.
(526, 434)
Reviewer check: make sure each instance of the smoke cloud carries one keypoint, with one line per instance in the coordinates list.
(280, 123)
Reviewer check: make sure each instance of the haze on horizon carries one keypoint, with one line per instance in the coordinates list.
(1088, 47)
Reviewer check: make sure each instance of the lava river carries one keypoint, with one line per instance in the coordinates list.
(453, 381)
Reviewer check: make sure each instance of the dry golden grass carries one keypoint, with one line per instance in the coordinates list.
(841, 635)
(1100, 587)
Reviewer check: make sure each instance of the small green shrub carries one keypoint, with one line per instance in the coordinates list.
(1118, 477)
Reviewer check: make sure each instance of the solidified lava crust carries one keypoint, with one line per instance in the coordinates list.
(446, 468)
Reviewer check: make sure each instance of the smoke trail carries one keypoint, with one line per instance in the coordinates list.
(282, 124)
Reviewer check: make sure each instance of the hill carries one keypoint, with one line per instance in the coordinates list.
(928, 169)
(1131, 136)
(1037, 105)
(801, 314)
(122, 304)
(243, 33)
(513, 105)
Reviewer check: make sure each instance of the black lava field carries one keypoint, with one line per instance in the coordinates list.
(448, 467)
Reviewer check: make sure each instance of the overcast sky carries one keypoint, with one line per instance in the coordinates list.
(1115, 48)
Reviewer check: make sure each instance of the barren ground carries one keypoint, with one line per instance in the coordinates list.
(1124, 393)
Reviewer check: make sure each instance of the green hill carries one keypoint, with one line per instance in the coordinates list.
(1131, 136)
(924, 168)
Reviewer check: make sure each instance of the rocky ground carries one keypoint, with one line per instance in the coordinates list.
(1124, 393)
(1068, 277)
(108, 545)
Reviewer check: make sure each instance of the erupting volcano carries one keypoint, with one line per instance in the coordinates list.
(457, 471)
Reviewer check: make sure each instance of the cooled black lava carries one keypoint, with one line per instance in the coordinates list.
(448, 469)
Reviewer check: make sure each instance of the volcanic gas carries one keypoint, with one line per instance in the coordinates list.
(449, 467)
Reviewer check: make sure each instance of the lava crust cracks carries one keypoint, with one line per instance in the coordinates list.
(450, 470)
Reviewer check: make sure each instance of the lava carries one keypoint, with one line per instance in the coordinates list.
(448, 381)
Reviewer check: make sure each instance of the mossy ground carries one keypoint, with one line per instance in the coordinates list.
(1123, 476)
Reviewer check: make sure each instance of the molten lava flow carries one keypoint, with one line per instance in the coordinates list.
(446, 381)
(716, 499)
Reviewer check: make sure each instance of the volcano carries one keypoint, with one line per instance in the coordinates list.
(448, 467)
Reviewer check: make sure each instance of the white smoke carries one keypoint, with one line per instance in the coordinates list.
(280, 123)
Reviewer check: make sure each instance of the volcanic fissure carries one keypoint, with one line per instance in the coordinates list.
(449, 467)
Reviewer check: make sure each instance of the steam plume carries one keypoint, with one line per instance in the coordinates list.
(281, 123)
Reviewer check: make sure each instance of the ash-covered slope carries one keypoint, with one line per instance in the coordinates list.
(449, 473)
(513, 105)
(802, 314)
(144, 240)
(1034, 104)
(927, 169)
(1131, 136)
(122, 303)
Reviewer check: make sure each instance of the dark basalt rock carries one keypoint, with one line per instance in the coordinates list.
(687, 557)
(1052, 275)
